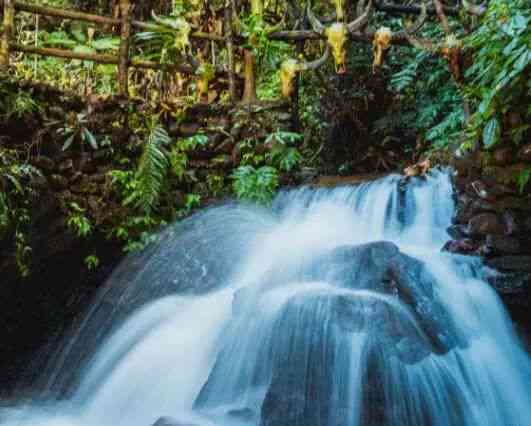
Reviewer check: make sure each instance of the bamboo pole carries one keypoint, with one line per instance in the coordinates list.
(8, 24)
(106, 59)
(249, 89)
(301, 35)
(125, 36)
(230, 49)
(412, 9)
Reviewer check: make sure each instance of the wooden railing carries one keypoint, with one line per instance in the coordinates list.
(126, 25)
(122, 60)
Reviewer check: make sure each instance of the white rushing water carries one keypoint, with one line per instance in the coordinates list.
(296, 317)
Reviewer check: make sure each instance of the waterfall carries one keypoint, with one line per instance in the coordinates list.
(335, 307)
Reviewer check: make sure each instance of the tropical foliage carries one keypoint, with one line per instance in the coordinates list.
(402, 100)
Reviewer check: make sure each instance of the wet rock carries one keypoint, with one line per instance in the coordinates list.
(168, 421)
(39, 182)
(462, 214)
(76, 177)
(46, 164)
(362, 266)
(525, 153)
(245, 414)
(86, 164)
(84, 186)
(457, 232)
(307, 175)
(485, 223)
(411, 351)
(101, 154)
(511, 283)
(511, 263)
(461, 246)
(468, 207)
(503, 156)
(415, 288)
(480, 189)
(99, 177)
(515, 203)
(94, 203)
(510, 223)
(356, 315)
(66, 166)
(501, 244)
(58, 182)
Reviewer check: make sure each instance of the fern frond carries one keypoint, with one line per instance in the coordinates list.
(152, 169)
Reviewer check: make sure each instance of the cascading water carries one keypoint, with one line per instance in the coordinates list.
(335, 309)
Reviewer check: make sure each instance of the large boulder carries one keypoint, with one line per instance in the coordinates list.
(304, 352)
(359, 267)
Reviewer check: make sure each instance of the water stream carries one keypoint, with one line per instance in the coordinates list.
(334, 308)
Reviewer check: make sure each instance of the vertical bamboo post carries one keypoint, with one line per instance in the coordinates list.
(125, 42)
(230, 48)
(295, 116)
(8, 24)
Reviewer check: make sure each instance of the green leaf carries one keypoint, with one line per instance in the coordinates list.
(89, 137)
(85, 50)
(78, 31)
(60, 39)
(491, 133)
(523, 179)
(69, 142)
(107, 43)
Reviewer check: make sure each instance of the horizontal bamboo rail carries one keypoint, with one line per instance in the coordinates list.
(106, 59)
(412, 9)
(301, 35)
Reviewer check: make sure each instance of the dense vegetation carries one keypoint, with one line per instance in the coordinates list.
(457, 83)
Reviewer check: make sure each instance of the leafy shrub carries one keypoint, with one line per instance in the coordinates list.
(255, 184)
(499, 76)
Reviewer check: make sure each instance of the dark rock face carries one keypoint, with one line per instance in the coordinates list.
(500, 244)
(525, 153)
(485, 223)
(461, 246)
(503, 156)
(457, 232)
(493, 222)
(512, 283)
(511, 263)
(510, 222)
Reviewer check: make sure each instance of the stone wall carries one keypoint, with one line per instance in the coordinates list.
(493, 221)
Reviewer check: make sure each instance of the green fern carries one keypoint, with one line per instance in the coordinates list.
(152, 170)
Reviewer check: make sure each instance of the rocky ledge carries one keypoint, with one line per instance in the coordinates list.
(493, 221)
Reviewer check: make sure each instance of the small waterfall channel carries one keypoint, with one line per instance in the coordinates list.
(334, 308)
